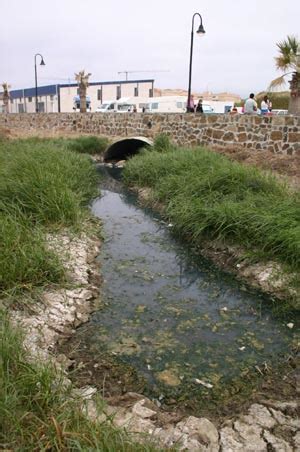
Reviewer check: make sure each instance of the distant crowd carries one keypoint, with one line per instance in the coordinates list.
(250, 106)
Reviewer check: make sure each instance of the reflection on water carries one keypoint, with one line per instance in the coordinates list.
(168, 312)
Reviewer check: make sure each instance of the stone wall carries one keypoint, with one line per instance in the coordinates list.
(278, 134)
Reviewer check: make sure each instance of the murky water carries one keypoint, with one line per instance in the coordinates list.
(169, 313)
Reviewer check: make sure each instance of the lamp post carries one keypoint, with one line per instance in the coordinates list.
(200, 32)
(42, 63)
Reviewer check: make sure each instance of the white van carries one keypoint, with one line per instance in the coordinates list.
(108, 106)
(166, 104)
(123, 105)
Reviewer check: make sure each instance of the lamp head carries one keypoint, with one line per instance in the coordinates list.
(201, 30)
(42, 63)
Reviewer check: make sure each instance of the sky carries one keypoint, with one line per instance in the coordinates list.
(151, 38)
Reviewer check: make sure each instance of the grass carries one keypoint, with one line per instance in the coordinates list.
(44, 185)
(207, 196)
(38, 411)
(25, 262)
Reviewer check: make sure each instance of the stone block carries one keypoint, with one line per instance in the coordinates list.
(242, 137)
(228, 136)
(217, 133)
(294, 137)
(276, 135)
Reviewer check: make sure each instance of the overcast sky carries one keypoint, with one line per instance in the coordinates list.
(105, 37)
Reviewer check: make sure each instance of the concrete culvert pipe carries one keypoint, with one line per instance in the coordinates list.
(125, 147)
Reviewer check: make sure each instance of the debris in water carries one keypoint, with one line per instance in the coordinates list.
(203, 383)
(242, 348)
(290, 325)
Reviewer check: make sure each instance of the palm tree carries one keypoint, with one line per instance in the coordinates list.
(289, 60)
(83, 82)
(5, 96)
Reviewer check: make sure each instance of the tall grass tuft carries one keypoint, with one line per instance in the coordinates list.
(87, 144)
(47, 184)
(208, 196)
(25, 261)
(42, 185)
(38, 411)
(162, 143)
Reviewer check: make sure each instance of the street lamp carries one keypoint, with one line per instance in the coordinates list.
(200, 32)
(42, 63)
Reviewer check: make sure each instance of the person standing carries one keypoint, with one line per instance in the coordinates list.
(265, 105)
(191, 105)
(199, 108)
(250, 106)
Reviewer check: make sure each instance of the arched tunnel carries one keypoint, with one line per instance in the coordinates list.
(125, 147)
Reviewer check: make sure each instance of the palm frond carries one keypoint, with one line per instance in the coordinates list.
(278, 82)
(288, 50)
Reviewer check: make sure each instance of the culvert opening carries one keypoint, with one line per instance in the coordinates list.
(126, 147)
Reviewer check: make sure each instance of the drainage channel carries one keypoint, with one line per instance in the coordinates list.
(172, 325)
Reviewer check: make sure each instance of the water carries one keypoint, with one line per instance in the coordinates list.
(169, 313)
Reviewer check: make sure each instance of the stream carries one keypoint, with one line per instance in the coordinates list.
(178, 326)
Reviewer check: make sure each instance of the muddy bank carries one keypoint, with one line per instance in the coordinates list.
(53, 314)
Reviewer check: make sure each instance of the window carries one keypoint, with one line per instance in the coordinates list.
(150, 92)
(136, 91)
(21, 108)
(99, 95)
(118, 92)
(11, 101)
(154, 106)
(77, 91)
(51, 97)
(29, 99)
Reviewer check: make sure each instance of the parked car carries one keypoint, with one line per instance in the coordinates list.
(279, 112)
(207, 109)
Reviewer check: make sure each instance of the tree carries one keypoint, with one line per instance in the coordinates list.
(289, 60)
(6, 96)
(83, 82)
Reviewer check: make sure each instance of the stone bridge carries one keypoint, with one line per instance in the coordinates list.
(278, 134)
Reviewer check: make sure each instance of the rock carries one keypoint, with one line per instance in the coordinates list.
(277, 444)
(200, 429)
(120, 164)
(258, 414)
(168, 377)
(140, 410)
(297, 441)
(85, 392)
(250, 434)
(285, 420)
(230, 441)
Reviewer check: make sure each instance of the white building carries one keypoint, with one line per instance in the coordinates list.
(60, 98)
